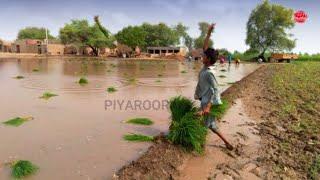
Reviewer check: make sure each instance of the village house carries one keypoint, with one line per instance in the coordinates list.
(36, 46)
(5, 46)
(197, 54)
(166, 51)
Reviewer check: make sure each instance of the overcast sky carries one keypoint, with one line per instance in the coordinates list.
(230, 15)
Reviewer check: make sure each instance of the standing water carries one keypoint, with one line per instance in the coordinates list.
(79, 133)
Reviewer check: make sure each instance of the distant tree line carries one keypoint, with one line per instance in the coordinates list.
(266, 32)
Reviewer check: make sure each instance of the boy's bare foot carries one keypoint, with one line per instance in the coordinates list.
(229, 147)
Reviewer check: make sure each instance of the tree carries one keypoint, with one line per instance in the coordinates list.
(181, 31)
(132, 36)
(160, 35)
(267, 26)
(198, 42)
(34, 33)
(79, 32)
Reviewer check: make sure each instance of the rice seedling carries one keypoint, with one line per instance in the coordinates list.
(83, 81)
(179, 106)
(183, 71)
(140, 121)
(131, 80)
(160, 75)
(17, 121)
(47, 95)
(111, 89)
(109, 70)
(19, 77)
(189, 132)
(231, 82)
(219, 110)
(113, 65)
(137, 137)
(23, 168)
(35, 70)
(158, 81)
(223, 70)
(222, 76)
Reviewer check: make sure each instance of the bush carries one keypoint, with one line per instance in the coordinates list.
(179, 106)
(189, 132)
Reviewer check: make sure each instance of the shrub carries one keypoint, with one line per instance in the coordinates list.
(189, 132)
(23, 168)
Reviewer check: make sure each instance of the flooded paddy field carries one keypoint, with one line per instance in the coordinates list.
(78, 134)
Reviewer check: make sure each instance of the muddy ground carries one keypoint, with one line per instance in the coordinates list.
(286, 120)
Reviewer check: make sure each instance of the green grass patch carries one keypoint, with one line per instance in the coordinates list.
(18, 121)
(189, 132)
(138, 138)
(19, 77)
(111, 89)
(83, 81)
(314, 170)
(23, 168)
(47, 95)
(219, 110)
(140, 121)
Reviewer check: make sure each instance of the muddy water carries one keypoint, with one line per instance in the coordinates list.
(78, 134)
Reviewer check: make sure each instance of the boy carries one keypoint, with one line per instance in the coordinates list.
(207, 87)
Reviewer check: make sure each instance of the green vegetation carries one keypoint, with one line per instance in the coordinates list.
(111, 89)
(223, 70)
(158, 81)
(23, 168)
(198, 42)
(83, 81)
(274, 35)
(140, 121)
(183, 71)
(179, 106)
(34, 33)
(189, 132)
(219, 110)
(160, 75)
(19, 77)
(47, 95)
(35, 70)
(296, 87)
(137, 137)
(307, 57)
(81, 33)
(17, 121)
(222, 76)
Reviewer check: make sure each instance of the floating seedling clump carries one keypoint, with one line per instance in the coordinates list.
(111, 89)
(223, 70)
(35, 70)
(140, 121)
(47, 95)
(183, 72)
(222, 76)
(19, 77)
(23, 168)
(17, 121)
(83, 81)
(137, 137)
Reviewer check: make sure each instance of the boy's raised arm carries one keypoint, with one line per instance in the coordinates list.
(206, 41)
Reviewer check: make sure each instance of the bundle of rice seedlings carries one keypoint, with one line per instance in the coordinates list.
(140, 121)
(137, 137)
(23, 168)
(189, 132)
(47, 95)
(17, 121)
(19, 77)
(111, 89)
(219, 110)
(179, 106)
(83, 81)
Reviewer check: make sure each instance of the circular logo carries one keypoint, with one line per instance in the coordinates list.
(300, 16)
